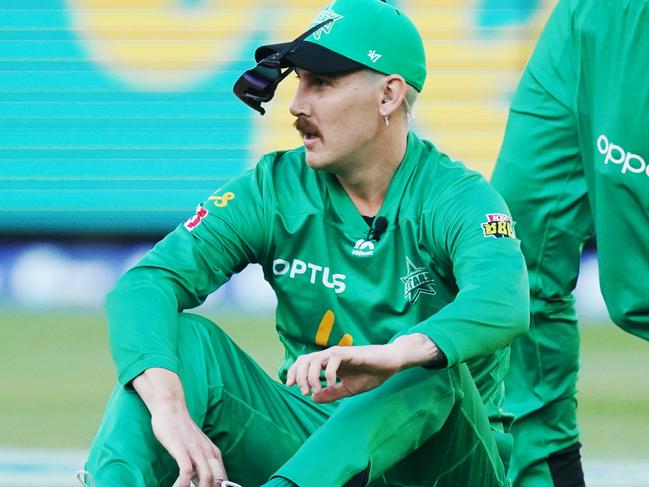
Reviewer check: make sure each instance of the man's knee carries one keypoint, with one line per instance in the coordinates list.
(202, 348)
(195, 330)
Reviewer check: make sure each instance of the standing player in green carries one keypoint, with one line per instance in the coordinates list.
(394, 267)
(575, 164)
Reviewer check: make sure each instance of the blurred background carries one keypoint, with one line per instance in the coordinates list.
(117, 119)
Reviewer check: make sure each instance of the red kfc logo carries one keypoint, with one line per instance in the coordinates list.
(194, 221)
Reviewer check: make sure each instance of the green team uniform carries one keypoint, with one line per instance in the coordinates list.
(575, 163)
(446, 266)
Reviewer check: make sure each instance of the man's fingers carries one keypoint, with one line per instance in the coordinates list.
(301, 375)
(313, 375)
(331, 371)
(217, 466)
(186, 471)
(199, 460)
(217, 454)
(218, 471)
(203, 471)
(306, 370)
(290, 375)
(215, 471)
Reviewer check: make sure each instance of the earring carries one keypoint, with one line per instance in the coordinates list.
(387, 119)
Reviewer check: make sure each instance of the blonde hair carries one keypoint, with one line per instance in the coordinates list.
(409, 101)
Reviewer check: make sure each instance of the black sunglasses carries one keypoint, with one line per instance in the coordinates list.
(258, 85)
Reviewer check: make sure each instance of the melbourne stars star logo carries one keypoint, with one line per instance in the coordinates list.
(325, 14)
(417, 281)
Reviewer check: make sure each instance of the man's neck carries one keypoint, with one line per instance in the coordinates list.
(368, 180)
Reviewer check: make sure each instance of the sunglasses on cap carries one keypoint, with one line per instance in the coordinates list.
(258, 85)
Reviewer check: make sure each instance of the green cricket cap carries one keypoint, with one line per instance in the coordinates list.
(359, 34)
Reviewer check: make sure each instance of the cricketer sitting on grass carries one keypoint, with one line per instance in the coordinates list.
(575, 164)
(394, 266)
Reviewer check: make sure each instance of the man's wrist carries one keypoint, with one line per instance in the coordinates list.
(161, 390)
(418, 349)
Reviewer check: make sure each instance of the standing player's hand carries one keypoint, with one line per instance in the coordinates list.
(198, 459)
(353, 370)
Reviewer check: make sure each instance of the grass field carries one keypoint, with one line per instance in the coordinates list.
(56, 374)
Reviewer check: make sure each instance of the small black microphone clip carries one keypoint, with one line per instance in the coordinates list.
(378, 228)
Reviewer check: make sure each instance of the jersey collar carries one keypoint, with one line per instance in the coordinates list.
(340, 208)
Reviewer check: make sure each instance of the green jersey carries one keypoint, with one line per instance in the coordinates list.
(446, 265)
(575, 164)
(589, 152)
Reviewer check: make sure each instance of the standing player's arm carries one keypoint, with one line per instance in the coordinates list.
(540, 173)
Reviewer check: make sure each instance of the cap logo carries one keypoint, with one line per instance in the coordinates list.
(374, 56)
(326, 14)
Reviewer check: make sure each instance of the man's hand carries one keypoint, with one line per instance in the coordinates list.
(199, 460)
(359, 369)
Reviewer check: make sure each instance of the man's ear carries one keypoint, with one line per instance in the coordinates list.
(394, 91)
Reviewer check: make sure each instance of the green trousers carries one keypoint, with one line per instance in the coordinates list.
(546, 420)
(420, 428)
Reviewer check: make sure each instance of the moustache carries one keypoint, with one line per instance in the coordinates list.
(305, 126)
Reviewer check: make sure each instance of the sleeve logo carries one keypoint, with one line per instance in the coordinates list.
(498, 225)
(222, 201)
(195, 220)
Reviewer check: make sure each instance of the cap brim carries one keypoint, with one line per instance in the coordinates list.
(309, 56)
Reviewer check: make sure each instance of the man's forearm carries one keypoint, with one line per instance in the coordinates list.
(160, 388)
